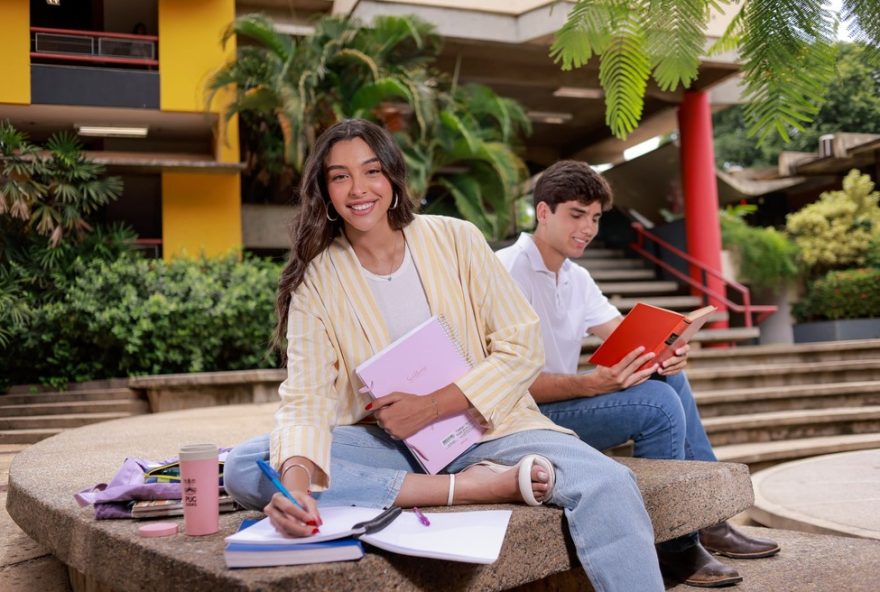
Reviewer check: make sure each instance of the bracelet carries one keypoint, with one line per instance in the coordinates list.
(300, 466)
(436, 409)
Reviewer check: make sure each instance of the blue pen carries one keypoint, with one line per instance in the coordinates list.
(272, 475)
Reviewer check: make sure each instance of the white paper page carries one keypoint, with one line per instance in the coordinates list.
(471, 537)
(338, 521)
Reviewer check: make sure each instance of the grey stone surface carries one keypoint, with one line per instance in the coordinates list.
(44, 574)
(808, 563)
(43, 479)
(172, 392)
(836, 494)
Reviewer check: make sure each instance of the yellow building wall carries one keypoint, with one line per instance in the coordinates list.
(15, 51)
(201, 214)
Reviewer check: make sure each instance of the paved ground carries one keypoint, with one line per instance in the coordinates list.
(25, 566)
(831, 494)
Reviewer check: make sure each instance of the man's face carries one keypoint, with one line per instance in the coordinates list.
(571, 227)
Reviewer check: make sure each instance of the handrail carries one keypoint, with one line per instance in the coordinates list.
(83, 33)
(746, 308)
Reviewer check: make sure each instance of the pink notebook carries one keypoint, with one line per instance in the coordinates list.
(422, 361)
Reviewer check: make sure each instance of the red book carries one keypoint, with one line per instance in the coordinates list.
(659, 330)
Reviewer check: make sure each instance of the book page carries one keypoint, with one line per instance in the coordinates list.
(338, 521)
(471, 537)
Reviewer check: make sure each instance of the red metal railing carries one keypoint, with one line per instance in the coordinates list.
(73, 45)
(746, 308)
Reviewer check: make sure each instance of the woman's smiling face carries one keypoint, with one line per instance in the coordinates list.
(359, 190)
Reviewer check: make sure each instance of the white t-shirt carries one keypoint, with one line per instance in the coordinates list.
(568, 306)
(400, 296)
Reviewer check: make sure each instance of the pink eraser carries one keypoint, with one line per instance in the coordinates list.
(158, 529)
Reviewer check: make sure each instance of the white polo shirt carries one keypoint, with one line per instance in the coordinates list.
(568, 306)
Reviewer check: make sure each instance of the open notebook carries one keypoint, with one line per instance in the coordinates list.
(422, 361)
(470, 537)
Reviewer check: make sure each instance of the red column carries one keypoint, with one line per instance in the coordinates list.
(700, 189)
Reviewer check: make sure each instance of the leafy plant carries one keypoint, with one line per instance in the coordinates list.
(786, 47)
(836, 231)
(457, 140)
(130, 316)
(848, 294)
(767, 258)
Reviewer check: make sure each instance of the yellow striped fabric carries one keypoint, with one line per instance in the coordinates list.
(335, 324)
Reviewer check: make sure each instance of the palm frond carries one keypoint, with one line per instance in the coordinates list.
(261, 30)
(778, 34)
(623, 74)
(674, 34)
(586, 32)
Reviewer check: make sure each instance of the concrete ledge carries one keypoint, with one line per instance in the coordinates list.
(172, 392)
(680, 497)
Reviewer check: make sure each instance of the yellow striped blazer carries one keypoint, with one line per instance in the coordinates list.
(334, 324)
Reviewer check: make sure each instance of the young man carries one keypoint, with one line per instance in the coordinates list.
(654, 407)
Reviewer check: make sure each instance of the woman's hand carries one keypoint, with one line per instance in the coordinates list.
(676, 363)
(402, 414)
(290, 520)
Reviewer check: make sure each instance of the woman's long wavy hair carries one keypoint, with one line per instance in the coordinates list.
(313, 230)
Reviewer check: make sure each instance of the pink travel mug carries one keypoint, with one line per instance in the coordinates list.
(199, 480)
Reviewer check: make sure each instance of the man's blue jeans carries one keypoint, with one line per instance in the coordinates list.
(606, 517)
(660, 417)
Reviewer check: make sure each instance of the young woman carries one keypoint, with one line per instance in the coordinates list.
(363, 271)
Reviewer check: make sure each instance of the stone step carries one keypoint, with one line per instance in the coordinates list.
(823, 351)
(128, 406)
(759, 455)
(755, 376)
(605, 275)
(29, 436)
(116, 394)
(72, 420)
(683, 303)
(780, 398)
(621, 263)
(774, 426)
(611, 289)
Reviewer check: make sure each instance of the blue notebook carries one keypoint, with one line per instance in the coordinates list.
(262, 555)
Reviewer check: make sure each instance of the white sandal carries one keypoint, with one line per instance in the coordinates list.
(524, 477)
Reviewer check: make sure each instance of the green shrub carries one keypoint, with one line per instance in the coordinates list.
(767, 258)
(836, 231)
(849, 294)
(134, 316)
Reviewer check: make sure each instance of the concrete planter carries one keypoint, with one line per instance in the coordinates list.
(837, 330)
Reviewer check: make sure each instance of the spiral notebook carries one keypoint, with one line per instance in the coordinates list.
(422, 361)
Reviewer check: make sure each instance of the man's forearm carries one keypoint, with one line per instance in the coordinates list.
(549, 388)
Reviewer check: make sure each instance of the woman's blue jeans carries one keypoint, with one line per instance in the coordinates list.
(660, 417)
(609, 526)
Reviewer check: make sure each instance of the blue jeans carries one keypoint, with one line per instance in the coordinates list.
(660, 417)
(609, 526)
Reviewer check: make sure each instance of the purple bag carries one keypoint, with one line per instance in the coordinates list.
(114, 499)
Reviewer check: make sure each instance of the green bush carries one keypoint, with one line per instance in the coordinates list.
(767, 258)
(849, 294)
(836, 231)
(134, 316)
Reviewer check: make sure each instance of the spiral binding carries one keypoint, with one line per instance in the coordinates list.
(453, 337)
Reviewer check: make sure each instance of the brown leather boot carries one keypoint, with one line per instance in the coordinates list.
(696, 567)
(723, 539)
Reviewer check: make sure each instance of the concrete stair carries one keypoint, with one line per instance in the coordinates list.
(29, 418)
(762, 405)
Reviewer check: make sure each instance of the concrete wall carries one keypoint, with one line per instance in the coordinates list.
(201, 214)
(15, 46)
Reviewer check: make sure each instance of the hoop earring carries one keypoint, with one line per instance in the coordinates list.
(327, 213)
(394, 205)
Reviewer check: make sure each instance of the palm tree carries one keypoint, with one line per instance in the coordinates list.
(786, 47)
(457, 140)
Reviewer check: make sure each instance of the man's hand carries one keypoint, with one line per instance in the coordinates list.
(676, 363)
(624, 374)
(402, 414)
